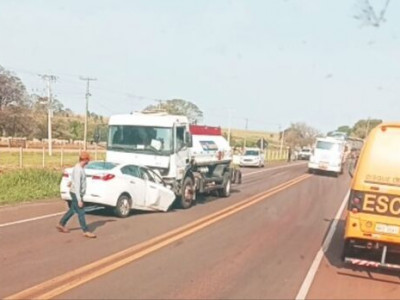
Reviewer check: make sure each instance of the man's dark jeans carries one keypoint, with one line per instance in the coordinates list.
(75, 209)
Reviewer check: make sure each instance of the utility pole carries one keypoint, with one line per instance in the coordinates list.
(229, 129)
(245, 139)
(87, 79)
(282, 138)
(49, 79)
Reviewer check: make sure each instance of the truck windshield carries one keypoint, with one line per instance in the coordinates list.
(328, 146)
(140, 139)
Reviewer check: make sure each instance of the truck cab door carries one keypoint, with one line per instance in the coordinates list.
(181, 148)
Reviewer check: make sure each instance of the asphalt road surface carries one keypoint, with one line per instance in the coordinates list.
(278, 236)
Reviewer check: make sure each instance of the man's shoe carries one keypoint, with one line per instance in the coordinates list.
(89, 235)
(62, 229)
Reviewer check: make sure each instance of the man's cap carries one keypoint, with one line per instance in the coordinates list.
(84, 156)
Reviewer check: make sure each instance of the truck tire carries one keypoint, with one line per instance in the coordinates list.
(123, 206)
(226, 190)
(188, 193)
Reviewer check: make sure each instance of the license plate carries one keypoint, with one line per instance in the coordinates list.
(323, 166)
(383, 228)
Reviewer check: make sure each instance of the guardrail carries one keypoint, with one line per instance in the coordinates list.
(276, 155)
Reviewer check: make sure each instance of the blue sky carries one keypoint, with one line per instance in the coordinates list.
(272, 62)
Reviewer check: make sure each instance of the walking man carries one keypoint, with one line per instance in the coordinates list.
(77, 190)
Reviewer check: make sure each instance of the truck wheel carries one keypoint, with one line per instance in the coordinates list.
(123, 207)
(226, 190)
(188, 193)
(233, 176)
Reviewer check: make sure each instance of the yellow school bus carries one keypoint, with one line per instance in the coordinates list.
(372, 232)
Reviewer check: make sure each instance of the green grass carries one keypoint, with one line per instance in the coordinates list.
(28, 184)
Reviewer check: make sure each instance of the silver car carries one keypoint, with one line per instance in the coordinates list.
(252, 157)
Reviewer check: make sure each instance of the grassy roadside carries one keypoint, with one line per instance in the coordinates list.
(28, 184)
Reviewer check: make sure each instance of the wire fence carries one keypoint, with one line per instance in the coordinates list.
(13, 158)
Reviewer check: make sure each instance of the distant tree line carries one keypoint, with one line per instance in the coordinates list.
(361, 128)
(26, 115)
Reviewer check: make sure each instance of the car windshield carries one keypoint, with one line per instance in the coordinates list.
(100, 165)
(141, 139)
(252, 153)
(305, 150)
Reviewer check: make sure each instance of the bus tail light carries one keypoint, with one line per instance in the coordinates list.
(355, 202)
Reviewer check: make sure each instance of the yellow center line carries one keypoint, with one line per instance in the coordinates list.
(65, 282)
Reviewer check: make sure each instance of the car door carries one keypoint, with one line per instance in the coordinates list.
(157, 195)
(137, 186)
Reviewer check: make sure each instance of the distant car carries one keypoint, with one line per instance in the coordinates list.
(304, 154)
(122, 187)
(252, 157)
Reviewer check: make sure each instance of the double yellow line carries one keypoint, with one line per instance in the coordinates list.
(65, 282)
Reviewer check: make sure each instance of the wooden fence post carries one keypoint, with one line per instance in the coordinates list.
(20, 158)
(62, 156)
(43, 154)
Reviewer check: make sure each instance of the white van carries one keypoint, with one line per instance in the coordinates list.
(327, 155)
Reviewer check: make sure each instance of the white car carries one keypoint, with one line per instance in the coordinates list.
(252, 157)
(122, 187)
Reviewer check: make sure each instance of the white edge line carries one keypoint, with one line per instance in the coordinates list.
(32, 219)
(308, 280)
(274, 168)
(88, 209)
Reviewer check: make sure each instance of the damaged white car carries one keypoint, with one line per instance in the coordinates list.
(122, 187)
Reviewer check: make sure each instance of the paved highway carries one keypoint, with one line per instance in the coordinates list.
(279, 236)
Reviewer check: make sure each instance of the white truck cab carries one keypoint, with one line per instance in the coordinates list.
(327, 155)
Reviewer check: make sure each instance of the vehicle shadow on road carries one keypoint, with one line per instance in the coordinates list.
(213, 196)
(324, 174)
(334, 256)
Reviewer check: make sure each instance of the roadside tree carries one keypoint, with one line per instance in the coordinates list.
(178, 107)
